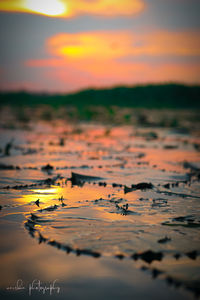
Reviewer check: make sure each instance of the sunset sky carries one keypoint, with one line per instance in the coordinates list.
(68, 45)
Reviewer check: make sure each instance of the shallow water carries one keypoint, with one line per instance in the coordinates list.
(118, 238)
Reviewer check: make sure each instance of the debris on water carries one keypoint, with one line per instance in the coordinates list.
(183, 218)
(177, 255)
(167, 185)
(156, 272)
(184, 221)
(41, 238)
(62, 142)
(144, 268)
(30, 225)
(8, 148)
(54, 244)
(50, 208)
(37, 202)
(61, 199)
(148, 256)
(120, 256)
(88, 252)
(169, 280)
(34, 217)
(143, 199)
(123, 208)
(192, 254)
(150, 135)
(196, 146)
(47, 168)
(30, 151)
(178, 194)
(102, 183)
(192, 166)
(48, 181)
(159, 202)
(139, 186)
(9, 167)
(128, 189)
(164, 240)
(142, 186)
(79, 179)
(170, 147)
(67, 248)
(116, 185)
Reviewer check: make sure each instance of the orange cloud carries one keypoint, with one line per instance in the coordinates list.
(102, 45)
(103, 58)
(93, 51)
(71, 8)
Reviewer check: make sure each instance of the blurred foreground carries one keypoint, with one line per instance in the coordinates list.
(108, 208)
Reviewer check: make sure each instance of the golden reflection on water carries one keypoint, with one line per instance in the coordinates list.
(44, 195)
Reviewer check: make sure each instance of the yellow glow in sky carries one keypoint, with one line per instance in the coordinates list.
(104, 45)
(46, 7)
(88, 45)
(72, 8)
(113, 55)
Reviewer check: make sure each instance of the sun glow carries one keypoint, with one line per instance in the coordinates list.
(46, 7)
(73, 8)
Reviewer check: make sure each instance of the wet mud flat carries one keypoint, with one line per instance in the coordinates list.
(106, 210)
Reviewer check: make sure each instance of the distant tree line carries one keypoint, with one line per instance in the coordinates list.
(143, 96)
